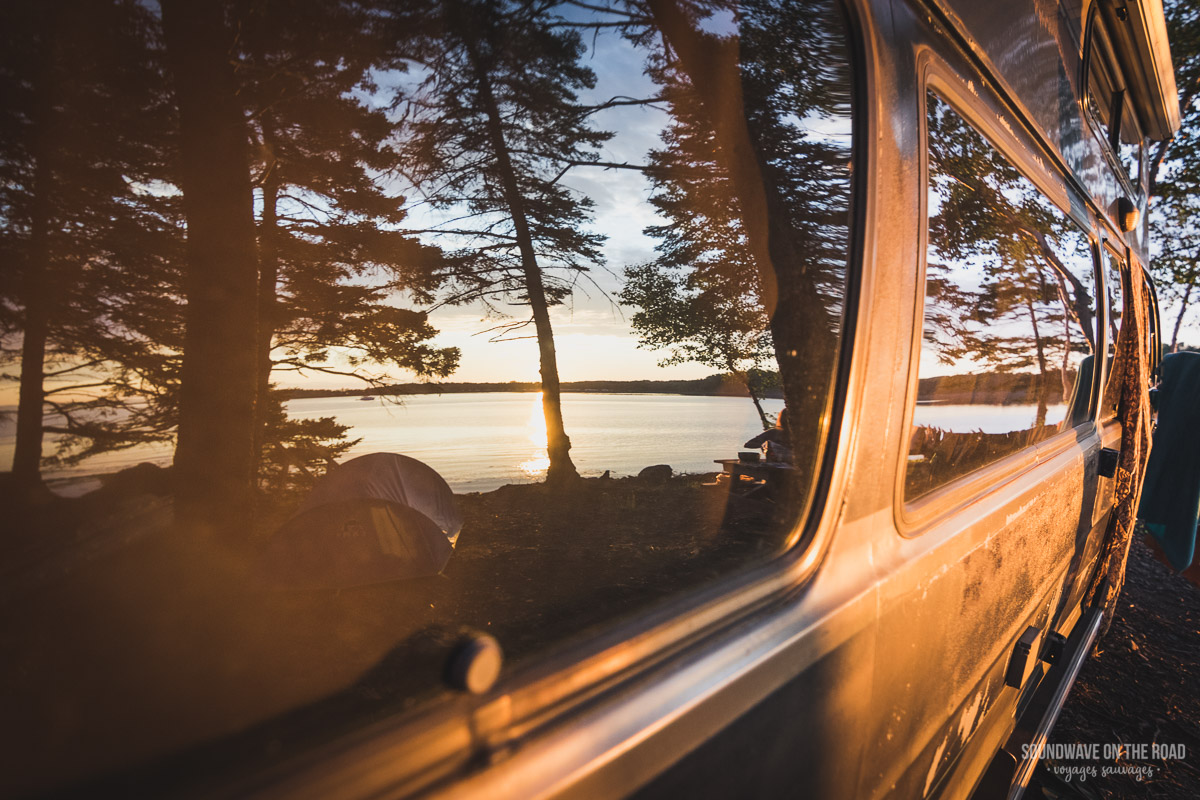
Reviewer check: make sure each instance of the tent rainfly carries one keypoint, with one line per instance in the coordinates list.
(375, 518)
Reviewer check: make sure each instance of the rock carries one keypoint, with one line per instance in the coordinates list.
(143, 479)
(659, 473)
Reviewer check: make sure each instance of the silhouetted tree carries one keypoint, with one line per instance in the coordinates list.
(78, 220)
(988, 222)
(331, 259)
(699, 320)
(297, 451)
(214, 455)
(748, 103)
(1175, 242)
(493, 125)
(1175, 175)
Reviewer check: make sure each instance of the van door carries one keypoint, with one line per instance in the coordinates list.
(1114, 268)
(994, 497)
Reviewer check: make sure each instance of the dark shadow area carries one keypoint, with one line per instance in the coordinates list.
(161, 641)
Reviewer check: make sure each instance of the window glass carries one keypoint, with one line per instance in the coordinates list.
(485, 323)
(1109, 106)
(1009, 323)
(1100, 94)
(1130, 149)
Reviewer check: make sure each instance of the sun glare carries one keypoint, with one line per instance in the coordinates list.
(539, 461)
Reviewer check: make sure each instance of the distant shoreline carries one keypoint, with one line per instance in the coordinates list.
(713, 386)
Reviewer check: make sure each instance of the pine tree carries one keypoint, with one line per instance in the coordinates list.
(741, 103)
(697, 319)
(495, 121)
(1175, 176)
(331, 257)
(989, 215)
(329, 241)
(702, 298)
(77, 77)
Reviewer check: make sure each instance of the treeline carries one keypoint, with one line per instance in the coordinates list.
(713, 386)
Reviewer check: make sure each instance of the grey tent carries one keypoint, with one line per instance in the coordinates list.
(378, 517)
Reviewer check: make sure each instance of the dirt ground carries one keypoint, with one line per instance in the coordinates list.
(1141, 686)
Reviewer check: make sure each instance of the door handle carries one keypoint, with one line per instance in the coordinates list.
(1107, 466)
(1020, 664)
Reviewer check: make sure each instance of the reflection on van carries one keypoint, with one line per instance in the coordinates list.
(582, 257)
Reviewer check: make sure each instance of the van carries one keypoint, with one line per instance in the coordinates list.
(921, 224)
(930, 612)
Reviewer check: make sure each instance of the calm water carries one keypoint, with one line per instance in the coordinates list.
(481, 441)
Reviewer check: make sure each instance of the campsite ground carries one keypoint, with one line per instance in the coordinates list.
(1142, 686)
(131, 642)
(126, 643)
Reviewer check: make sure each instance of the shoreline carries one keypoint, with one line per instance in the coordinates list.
(713, 386)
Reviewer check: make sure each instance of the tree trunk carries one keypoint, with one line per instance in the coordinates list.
(804, 337)
(36, 282)
(1066, 379)
(27, 455)
(214, 458)
(752, 388)
(1160, 154)
(1081, 305)
(1183, 307)
(1042, 382)
(268, 282)
(558, 445)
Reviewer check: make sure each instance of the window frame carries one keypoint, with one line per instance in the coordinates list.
(915, 516)
(1154, 320)
(568, 675)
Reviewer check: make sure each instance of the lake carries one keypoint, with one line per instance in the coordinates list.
(481, 441)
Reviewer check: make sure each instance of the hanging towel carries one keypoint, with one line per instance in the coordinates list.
(1171, 497)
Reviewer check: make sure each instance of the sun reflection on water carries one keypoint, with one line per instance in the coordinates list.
(539, 461)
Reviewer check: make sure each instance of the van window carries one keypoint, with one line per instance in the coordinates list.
(1009, 322)
(1110, 107)
(538, 283)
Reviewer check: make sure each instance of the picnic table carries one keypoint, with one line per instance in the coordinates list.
(768, 474)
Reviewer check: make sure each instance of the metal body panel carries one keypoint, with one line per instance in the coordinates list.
(995, 553)
(1141, 33)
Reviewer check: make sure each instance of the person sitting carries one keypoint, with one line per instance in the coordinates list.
(775, 442)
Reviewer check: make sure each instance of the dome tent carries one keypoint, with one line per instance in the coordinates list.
(375, 518)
